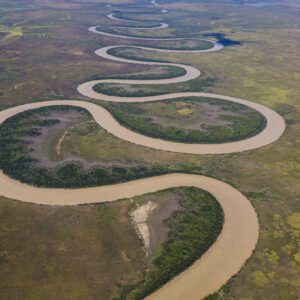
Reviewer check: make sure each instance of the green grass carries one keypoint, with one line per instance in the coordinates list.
(16, 161)
(133, 54)
(10, 33)
(263, 70)
(158, 73)
(192, 230)
(202, 83)
(179, 114)
(68, 247)
(168, 44)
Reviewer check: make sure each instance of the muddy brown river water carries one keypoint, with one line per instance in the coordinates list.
(240, 231)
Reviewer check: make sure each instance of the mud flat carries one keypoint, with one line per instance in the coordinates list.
(140, 216)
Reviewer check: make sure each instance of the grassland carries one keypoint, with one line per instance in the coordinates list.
(156, 73)
(92, 251)
(189, 44)
(190, 120)
(55, 53)
(9, 33)
(21, 136)
(142, 90)
(69, 251)
(192, 229)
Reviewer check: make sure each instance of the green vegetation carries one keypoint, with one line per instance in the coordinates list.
(160, 72)
(192, 231)
(15, 159)
(135, 24)
(132, 53)
(130, 32)
(10, 33)
(72, 245)
(57, 54)
(70, 252)
(182, 44)
(143, 90)
(127, 90)
(136, 11)
(179, 114)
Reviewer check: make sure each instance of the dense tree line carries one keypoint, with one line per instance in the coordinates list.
(202, 43)
(15, 159)
(169, 72)
(144, 90)
(245, 125)
(192, 231)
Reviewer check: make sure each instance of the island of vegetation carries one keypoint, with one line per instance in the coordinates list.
(190, 120)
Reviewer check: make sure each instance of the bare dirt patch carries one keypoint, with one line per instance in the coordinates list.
(41, 145)
(149, 220)
(158, 229)
(46, 148)
(140, 216)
